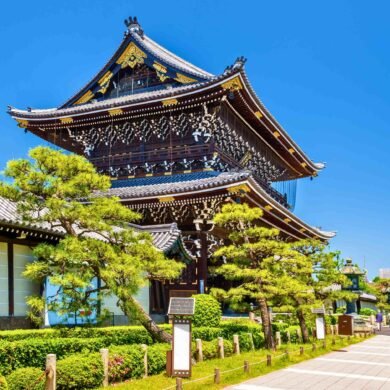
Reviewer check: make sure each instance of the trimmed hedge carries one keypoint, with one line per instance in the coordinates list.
(80, 372)
(85, 370)
(118, 335)
(32, 353)
(228, 328)
(3, 383)
(30, 378)
(207, 311)
(293, 334)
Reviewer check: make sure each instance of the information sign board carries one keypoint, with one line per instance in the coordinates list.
(181, 306)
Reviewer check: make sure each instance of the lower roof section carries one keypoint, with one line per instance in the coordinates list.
(179, 188)
(166, 237)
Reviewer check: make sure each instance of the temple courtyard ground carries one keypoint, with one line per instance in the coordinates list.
(365, 365)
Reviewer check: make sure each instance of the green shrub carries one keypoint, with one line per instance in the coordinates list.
(80, 372)
(30, 378)
(157, 358)
(366, 311)
(227, 329)
(32, 353)
(279, 326)
(118, 335)
(207, 311)
(293, 334)
(245, 341)
(129, 360)
(3, 383)
(210, 349)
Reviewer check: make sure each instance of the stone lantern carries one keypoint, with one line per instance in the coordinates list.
(353, 273)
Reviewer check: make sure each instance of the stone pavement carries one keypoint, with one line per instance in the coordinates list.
(365, 365)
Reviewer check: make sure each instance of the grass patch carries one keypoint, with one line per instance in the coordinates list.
(257, 367)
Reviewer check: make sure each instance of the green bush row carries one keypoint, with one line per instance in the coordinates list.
(85, 370)
(114, 334)
(117, 335)
(227, 329)
(32, 353)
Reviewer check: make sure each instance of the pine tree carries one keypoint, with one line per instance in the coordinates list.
(247, 254)
(64, 192)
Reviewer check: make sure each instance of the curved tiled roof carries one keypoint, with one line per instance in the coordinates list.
(169, 57)
(153, 190)
(165, 237)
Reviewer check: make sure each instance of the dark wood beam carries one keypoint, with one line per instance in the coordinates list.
(11, 282)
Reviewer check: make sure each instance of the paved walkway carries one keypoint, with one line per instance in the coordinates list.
(365, 365)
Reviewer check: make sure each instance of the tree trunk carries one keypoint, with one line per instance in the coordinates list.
(266, 321)
(302, 324)
(133, 310)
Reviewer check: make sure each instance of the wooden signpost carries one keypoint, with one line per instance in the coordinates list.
(320, 322)
(180, 310)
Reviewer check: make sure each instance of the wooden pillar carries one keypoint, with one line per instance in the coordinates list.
(269, 360)
(203, 260)
(217, 376)
(246, 366)
(11, 280)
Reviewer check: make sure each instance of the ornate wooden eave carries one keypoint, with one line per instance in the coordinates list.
(233, 88)
(231, 185)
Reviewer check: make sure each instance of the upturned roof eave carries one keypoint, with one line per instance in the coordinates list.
(315, 166)
(223, 182)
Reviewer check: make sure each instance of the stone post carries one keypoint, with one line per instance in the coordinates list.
(105, 358)
(278, 339)
(236, 344)
(51, 376)
(145, 349)
(221, 351)
(199, 350)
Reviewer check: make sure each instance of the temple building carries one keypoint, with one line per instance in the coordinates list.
(178, 142)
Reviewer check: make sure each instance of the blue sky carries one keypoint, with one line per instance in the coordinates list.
(322, 68)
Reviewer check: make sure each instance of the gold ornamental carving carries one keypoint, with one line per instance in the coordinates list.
(268, 207)
(132, 56)
(258, 114)
(166, 199)
(169, 102)
(243, 188)
(66, 120)
(184, 79)
(233, 84)
(116, 111)
(104, 82)
(161, 71)
(85, 98)
(23, 123)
